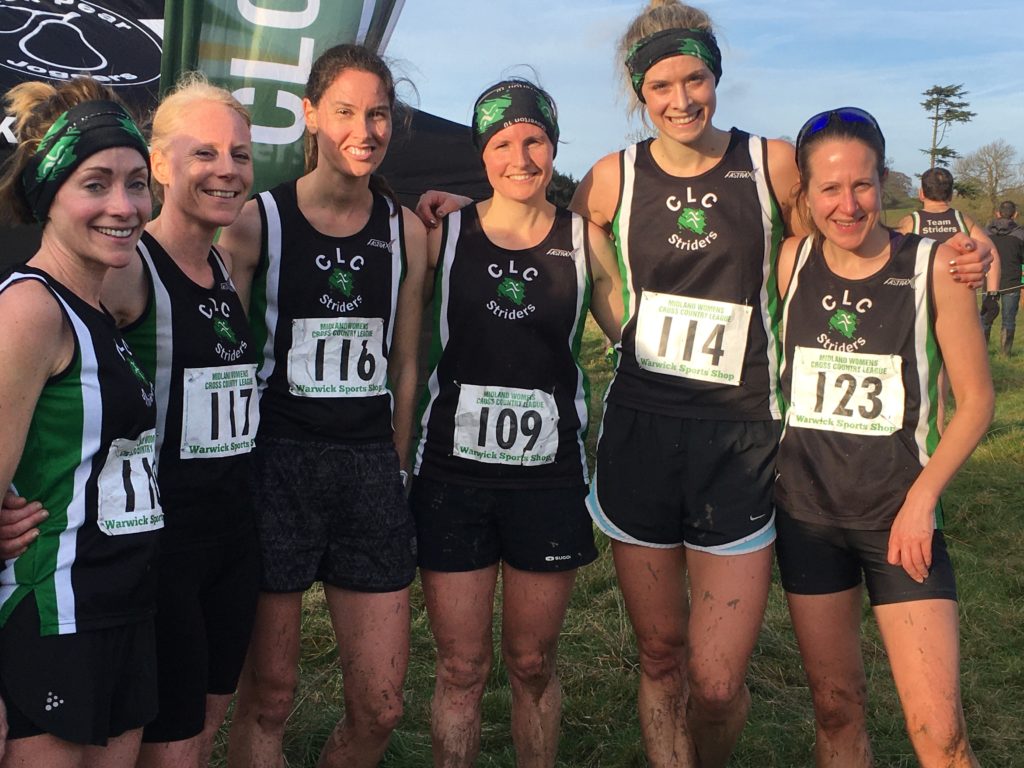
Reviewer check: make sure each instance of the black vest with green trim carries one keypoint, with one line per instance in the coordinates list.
(859, 377)
(698, 255)
(506, 400)
(89, 458)
(196, 345)
(323, 314)
(939, 226)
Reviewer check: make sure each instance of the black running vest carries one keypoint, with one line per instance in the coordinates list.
(698, 257)
(196, 345)
(89, 458)
(939, 226)
(323, 313)
(859, 376)
(506, 401)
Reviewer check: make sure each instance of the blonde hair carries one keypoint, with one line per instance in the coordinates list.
(173, 111)
(658, 16)
(35, 106)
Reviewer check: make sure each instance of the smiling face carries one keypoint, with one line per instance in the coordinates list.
(205, 166)
(518, 161)
(99, 212)
(351, 123)
(844, 193)
(680, 98)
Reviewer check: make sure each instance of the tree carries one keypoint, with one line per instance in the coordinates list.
(993, 170)
(945, 105)
(562, 188)
(897, 189)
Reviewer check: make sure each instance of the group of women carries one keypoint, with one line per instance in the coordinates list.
(130, 395)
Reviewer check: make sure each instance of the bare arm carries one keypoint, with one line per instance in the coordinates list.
(905, 225)
(243, 241)
(402, 360)
(785, 182)
(787, 260)
(598, 194)
(966, 361)
(36, 344)
(606, 294)
(435, 242)
(979, 235)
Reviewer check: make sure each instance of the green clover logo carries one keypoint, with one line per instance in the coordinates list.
(694, 220)
(342, 281)
(514, 290)
(491, 111)
(844, 322)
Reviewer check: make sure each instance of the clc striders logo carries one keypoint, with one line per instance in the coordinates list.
(61, 39)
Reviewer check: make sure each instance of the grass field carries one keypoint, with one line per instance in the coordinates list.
(598, 664)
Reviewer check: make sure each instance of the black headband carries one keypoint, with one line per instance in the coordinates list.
(510, 102)
(82, 131)
(672, 42)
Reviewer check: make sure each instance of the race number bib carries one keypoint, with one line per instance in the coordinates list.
(337, 357)
(692, 338)
(219, 414)
(505, 425)
(128, 499)
(850, 392)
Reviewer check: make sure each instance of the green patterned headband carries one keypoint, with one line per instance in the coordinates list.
(647, 52)
(82, 131)
(510, 102)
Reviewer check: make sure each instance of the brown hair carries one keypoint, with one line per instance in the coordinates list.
(658, 16)
(841, 130)
(172, 112)
(36, 106)
(328, 66)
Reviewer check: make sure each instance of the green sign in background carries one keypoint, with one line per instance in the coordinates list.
(261, 50)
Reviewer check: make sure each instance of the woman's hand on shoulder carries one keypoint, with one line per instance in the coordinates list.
(970, 259)
(434, 205)
(597, 195)
(243, 241)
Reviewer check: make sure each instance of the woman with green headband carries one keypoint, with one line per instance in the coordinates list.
(76, 607)
(685, 464)
(500, 472)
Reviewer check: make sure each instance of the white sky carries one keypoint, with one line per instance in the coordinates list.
(783, 62)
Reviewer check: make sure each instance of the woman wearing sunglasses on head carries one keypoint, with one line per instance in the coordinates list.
(685, 462)
(867, 316)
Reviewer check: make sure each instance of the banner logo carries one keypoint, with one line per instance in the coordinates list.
(59, 40)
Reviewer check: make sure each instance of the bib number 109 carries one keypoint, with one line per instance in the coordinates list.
(506, 425)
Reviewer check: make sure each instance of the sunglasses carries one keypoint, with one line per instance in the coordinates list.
(843, 115)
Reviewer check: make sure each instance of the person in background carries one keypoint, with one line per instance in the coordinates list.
(862, 465)
(1008, 238)
(938, 220)
(500, 474)
(77, 648)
